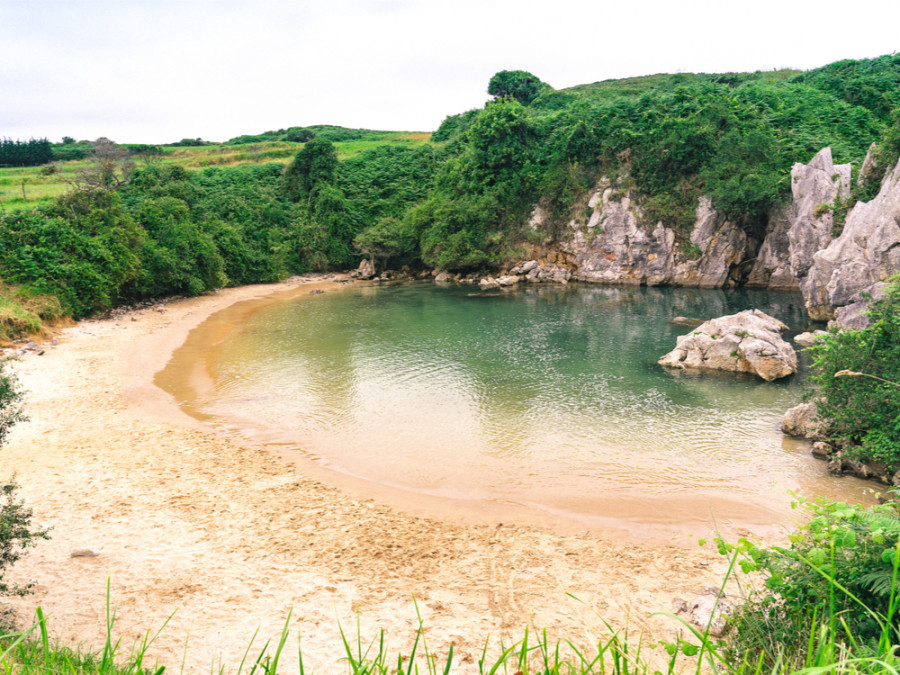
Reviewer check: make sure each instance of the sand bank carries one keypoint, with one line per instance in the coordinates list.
(232, 537)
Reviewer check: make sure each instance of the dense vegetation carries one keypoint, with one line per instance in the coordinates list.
(838, 578)
(17, 530)
(33, 152)
(858, 378)
(137, 224)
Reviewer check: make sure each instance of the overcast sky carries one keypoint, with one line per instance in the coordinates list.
(156, 71)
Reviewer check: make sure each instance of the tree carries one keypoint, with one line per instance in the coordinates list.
(518, 84)
(110, 167)
(17, 532)
(314, 165)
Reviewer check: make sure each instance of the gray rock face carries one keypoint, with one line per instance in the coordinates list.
(746, 342)
(866, 254)
(614, 246)
(772, 268)
(814, 187)
(798, 231)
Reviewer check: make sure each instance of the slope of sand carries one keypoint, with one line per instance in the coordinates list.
(233, 537)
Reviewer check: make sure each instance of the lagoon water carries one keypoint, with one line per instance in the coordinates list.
(547, 399)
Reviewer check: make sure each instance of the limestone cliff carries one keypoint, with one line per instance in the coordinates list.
(864, 256)
(803, 227)
(614, 247)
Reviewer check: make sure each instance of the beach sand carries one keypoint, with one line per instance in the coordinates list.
(230, 537)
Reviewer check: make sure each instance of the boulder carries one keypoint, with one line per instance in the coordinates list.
(801, 421)
(822, 450)
(366, 270)
(746, 342)
(84, 553)
(508, 280)
(807, 339)
(443, 277)
(489, 282)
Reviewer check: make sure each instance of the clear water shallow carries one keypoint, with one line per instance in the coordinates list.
(546, 397)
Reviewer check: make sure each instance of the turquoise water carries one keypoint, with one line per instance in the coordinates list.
(544, 397)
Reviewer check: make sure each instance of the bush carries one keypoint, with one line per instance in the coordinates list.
(17, 532)
(840, 569)
(857, 373)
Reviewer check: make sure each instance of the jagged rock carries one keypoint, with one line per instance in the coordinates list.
(865, 254)
(772, 268)
(801, 421)
(868, 166)
(538, 218)
(807, 339)
(747, 342)
(707, 610)
(316, 291)
(366, 270)
(855, 315)
(835, 466)
(615, 246)
(796, 232)
(814, 187)
(723, 246)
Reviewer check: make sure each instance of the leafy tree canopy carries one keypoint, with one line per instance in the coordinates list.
(518, 84)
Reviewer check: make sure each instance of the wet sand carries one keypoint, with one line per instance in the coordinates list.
(232, 536)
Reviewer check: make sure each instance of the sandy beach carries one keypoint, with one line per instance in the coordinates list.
(232, 537)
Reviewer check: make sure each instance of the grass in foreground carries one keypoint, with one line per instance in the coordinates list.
(615, 653)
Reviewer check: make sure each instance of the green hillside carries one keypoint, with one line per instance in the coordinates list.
(107, 224)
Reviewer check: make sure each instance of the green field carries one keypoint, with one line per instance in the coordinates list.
(41, 187)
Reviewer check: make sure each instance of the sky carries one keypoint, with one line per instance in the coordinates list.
(157, 71)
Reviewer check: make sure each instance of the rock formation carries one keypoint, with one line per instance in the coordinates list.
(615, 247)
(746, 342)
(801, 421)
(797, 231)
(865, 255)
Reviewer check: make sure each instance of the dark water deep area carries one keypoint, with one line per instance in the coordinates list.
(547, 398)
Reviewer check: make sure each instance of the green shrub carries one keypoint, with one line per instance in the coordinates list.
(839, 570)
(17, 532)
(857, 373)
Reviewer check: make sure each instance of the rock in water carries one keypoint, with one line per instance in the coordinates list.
(746, 342)
(801, 421)
(808, 339)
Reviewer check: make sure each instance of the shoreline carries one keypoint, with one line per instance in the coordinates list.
(232, 536)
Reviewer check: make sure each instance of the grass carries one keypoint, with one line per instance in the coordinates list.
(615, 653)
(23, 313)
(41, 188)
